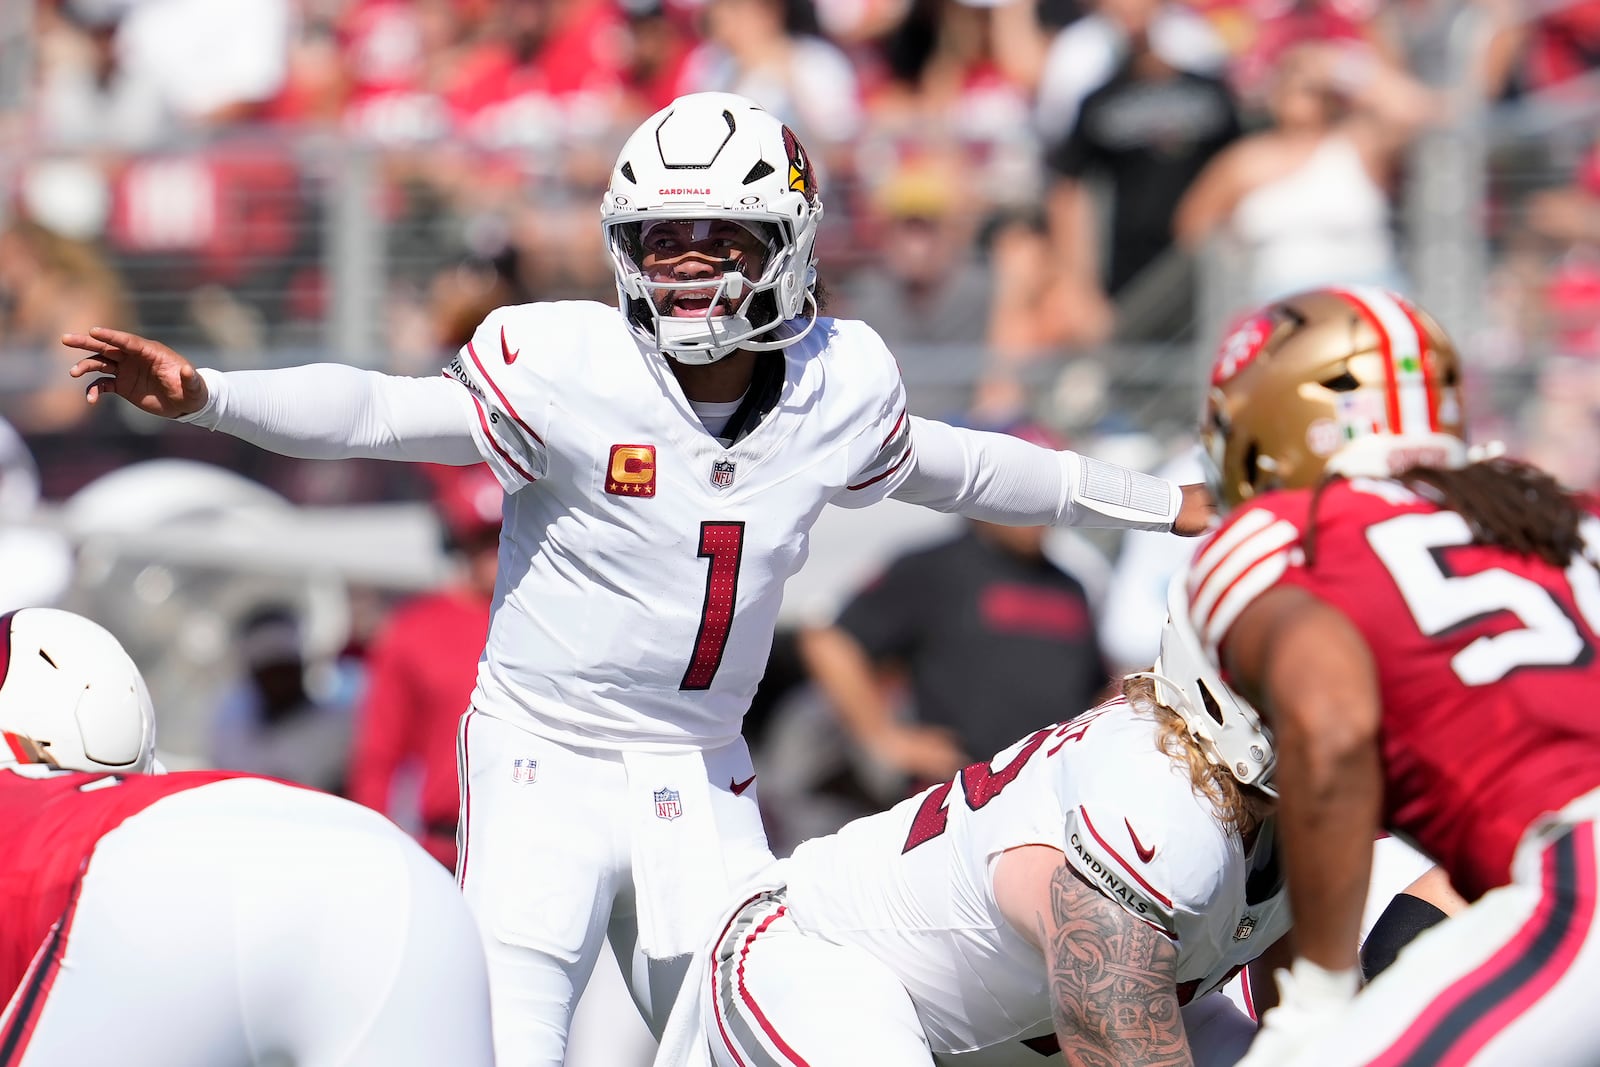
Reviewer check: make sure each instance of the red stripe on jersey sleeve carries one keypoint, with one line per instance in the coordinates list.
(880, 477)
(890, 435)
(473, 352)
(483, 420)
(1126, 866)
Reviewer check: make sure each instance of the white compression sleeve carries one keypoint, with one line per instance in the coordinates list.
(1000, 478)
(331, 411)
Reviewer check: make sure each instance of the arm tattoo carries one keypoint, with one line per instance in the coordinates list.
(1112, 981)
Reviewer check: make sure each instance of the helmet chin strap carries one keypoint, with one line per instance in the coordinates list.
(773, 346)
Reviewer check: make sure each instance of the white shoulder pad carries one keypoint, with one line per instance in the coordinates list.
(500, 367)
(1136, 829)
(877, 416)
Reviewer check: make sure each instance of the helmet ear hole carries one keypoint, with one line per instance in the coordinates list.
(1213, 709)
(1252, 465)
(1342, 383)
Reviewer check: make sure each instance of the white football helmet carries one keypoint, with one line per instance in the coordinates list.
(716, 156)
(1227, 728)
(70, 696)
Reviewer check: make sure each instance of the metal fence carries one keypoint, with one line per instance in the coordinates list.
(273, 249)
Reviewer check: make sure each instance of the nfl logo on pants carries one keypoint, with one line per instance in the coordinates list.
(667, 805)
(524, 771)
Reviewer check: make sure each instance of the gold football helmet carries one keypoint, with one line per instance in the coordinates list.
(1354, 381)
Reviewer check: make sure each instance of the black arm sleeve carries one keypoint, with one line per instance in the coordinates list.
(1401, 922)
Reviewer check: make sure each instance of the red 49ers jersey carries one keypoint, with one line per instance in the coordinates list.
(49, 827)
(1485, 658)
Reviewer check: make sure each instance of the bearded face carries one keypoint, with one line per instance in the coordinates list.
(680, 251)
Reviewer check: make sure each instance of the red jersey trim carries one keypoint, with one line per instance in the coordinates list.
(1126, 866)
(875, 479)
(890, 435)
(483, 421)
(473, 352)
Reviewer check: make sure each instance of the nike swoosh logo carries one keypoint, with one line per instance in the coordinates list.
(505, 349)
(1145, 854)
(738, 788)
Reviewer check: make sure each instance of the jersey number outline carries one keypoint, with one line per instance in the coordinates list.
(1409, 548)
(981, 783)
(723, 544)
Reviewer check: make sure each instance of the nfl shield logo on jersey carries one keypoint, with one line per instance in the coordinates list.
(667, 805)
(524, 771)
(722, 473)
(1246, 927)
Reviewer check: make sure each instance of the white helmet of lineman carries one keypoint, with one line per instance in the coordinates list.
(710, 156)
(70, 696)
(1227, 728)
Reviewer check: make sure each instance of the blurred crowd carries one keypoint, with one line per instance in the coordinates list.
(1021, 181)
(1014, 189)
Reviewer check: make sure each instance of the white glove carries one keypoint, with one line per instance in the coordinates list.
(1311, 999)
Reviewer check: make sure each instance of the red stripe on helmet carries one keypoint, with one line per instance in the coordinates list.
(1386, 348)
(1424, 357)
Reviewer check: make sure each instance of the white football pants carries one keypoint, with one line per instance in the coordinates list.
(1510, 980)
(248, 922)
(780, 997)
(546, 865)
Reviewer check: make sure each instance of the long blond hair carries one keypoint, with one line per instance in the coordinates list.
(1236, 810)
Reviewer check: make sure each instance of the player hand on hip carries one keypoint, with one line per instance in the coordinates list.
(1311, 999)
(146, 373)
(1197, 513)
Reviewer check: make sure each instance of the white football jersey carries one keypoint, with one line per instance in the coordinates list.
(642, 562)
(914, 885)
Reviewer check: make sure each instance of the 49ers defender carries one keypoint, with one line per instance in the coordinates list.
(1420, 630)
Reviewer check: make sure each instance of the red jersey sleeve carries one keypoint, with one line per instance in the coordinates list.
(1253, 551)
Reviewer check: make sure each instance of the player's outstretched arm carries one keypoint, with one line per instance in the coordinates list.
(146, 373)
(1113, 981)
(321, 411)
(999, 478)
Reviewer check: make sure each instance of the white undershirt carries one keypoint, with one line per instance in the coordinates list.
(714, 416)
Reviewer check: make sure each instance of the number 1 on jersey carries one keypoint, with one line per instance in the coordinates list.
(723, 544)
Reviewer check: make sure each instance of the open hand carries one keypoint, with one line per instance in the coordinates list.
(145, 373)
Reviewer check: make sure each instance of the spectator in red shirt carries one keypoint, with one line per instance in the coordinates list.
(422, 668)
